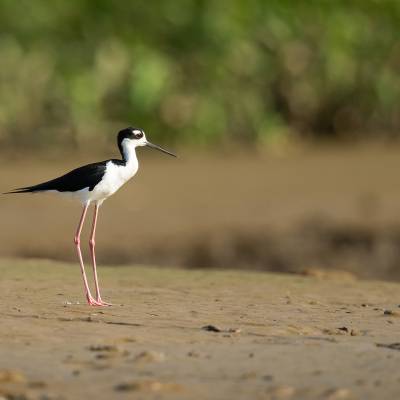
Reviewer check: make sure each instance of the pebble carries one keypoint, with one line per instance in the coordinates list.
(150, 356)
(213, 328)
(148, 386)
(342, 331)
(210, 328)
(104, 347)
(392, 313)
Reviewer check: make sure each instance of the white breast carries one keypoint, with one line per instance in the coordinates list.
(114, 177)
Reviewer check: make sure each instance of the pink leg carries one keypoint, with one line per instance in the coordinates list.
(92, 244)
(77, 240)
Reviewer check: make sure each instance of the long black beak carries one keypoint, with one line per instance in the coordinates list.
(154, 146)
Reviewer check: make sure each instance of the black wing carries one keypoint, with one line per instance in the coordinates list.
(87, 176)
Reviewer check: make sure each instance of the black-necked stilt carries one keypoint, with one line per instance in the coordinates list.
(93, 183)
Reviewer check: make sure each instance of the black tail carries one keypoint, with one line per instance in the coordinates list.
(29, 189)
(20, 190)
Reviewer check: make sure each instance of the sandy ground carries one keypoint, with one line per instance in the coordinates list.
(278, 336)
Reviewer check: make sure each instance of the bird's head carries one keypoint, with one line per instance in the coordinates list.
(135, 137)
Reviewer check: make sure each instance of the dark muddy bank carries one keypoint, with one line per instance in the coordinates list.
(315, 208)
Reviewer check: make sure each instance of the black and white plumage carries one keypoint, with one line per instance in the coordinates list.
(93, 183)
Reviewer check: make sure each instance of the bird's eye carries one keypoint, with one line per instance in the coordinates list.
(137, 134)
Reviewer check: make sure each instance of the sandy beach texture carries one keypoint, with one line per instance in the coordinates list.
(196, 335)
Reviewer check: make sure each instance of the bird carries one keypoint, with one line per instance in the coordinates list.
(92, 184)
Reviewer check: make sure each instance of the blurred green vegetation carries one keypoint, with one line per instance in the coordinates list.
(197, 71)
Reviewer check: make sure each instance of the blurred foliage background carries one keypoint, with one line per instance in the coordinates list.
(197, 71)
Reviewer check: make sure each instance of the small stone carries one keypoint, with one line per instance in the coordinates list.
(127, 387)
(234, 330)
(392, 313)
(106, 356)
(148, 386)
(210, 328)
(149, 357)
(336, 331)
(104, 347)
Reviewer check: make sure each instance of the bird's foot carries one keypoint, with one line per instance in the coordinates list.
(92, 302)
(103, 303)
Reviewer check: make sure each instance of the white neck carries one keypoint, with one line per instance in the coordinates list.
(129, 151)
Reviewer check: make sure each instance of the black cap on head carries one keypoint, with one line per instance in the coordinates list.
(128, 133)
(137, 133)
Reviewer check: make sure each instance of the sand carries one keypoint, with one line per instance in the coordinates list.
(181, 334)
